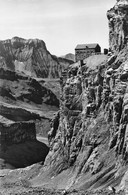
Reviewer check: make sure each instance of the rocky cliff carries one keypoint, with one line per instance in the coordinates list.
(30, 57)
(118, 25)
(88, 139)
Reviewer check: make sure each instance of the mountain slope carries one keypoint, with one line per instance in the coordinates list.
(30, 57)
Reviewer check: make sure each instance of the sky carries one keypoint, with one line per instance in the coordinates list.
(61, 24)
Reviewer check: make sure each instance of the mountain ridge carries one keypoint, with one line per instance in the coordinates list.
(30, 57)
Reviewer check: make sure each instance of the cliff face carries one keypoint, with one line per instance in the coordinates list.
(30, 57)
(88, 138)
(18, 144)
(118, 25)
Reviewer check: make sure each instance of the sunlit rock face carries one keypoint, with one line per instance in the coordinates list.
(118, 25)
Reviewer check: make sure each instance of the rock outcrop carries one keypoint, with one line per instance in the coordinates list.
(118, 25)
(18, 144)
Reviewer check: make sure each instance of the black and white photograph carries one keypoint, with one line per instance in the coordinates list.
(63, 97)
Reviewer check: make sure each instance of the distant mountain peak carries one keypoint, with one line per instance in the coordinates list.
(69, 56)
(31, 57)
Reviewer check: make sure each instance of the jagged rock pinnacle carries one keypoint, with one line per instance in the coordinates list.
(118, 26)
(122, 3)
